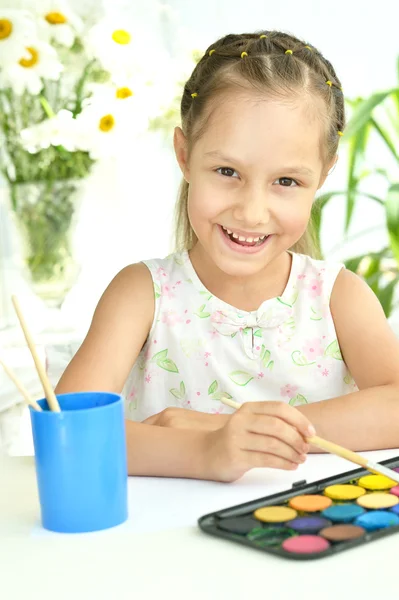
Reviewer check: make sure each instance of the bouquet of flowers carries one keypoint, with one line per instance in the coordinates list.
(69, 96)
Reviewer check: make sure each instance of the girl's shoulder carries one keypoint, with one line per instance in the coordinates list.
(310, 270)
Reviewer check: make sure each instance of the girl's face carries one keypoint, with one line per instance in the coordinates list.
(253, 173)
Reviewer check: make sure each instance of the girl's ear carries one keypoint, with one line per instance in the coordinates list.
(180, 145)
(327, 172)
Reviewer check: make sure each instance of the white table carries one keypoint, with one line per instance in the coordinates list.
(160, 552)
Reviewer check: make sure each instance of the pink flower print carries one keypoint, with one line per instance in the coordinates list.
(213, 333)
(288, 390)
(325, 372)
(314, 288)
(167, 292)
(313, 348)
(148, 378)
(178, 283)
(207, 354)
(302, 276)
(260, 375)
(170, 317)
(132, 393)
(198, 393)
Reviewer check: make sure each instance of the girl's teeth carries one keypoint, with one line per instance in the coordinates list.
(241, 238)
(235, 236)
(256, 239)
(228, 231)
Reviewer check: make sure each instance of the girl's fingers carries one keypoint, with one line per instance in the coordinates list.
(283, 411)
(261, 460)
(265, 444)
(275, 428)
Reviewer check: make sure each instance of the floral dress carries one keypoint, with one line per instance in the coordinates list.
(201, 349)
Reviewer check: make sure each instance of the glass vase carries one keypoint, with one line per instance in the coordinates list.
(45, 213)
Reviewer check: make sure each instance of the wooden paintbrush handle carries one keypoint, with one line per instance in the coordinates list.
(339, 450)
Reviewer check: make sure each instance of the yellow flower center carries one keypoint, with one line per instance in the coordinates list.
(106, 123)
(5, 29)
(120, 36)
(123, 92)
(32, 61)
(55, 18)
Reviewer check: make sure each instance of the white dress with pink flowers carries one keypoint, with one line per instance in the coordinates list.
(201, 349)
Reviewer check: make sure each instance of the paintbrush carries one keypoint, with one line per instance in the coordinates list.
(28, 399)
(48, 390)
(339, 451)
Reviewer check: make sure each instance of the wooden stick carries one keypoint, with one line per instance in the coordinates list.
(20, 387)
(48, 390)
(338, 450)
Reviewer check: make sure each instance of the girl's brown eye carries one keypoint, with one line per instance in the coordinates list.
(226, 171)
(286, 181)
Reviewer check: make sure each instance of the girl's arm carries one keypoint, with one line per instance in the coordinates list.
(367, 419)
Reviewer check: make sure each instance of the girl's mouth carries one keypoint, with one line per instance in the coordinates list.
(243, 244)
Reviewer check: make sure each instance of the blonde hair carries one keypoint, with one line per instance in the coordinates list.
(272, 63)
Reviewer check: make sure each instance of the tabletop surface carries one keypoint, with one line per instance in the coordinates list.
(161, 553)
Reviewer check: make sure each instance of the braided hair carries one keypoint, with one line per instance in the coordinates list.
(272, 63)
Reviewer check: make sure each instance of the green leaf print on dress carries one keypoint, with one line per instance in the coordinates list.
(265, 358)
(179, 393)
(161, 360)
(334, 351)
(202, 313)
(300, 359)
(241, 378)
(214, 394)
(157, 290)
(315, 316)
(298, 400)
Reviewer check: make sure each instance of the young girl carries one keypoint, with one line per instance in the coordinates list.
(242, 311)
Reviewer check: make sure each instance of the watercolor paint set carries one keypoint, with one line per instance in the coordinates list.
(314, 520)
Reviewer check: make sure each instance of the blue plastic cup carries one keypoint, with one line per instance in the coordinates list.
(81, 464)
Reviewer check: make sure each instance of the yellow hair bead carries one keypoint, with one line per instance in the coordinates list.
(194, 95)
(340, 133)
(262, 36)
(308, 47)
(329, 83)
(243, 54)
(211, 51)
(288, 52)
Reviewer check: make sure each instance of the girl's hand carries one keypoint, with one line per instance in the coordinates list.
(182, 418)
(259, 434)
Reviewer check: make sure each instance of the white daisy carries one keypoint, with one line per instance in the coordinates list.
(116, 45)
(106, 129)
(17, 30)
(60, 130)
(57, 21)
(38, 62)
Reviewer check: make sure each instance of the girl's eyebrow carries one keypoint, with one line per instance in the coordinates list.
(229, 159)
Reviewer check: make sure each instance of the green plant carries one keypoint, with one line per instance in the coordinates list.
(374, 117)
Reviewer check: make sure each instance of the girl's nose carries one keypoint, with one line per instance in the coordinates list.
(252, 208)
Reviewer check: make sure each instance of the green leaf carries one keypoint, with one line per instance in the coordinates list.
(207, 294)
(182, 388)
(157, 290)
(265, 355)
(176, 393)
(213, 387)
(258, 333)
(300, 359)
(386, 296)
(270, 365)
(363, 110)
(392, 218)
(240, 377)
(356, 152)
(298, 400)
(168, 365)
(333, 351)
(200, 312)
(221, 396)
(386, 138)
(159, 355)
